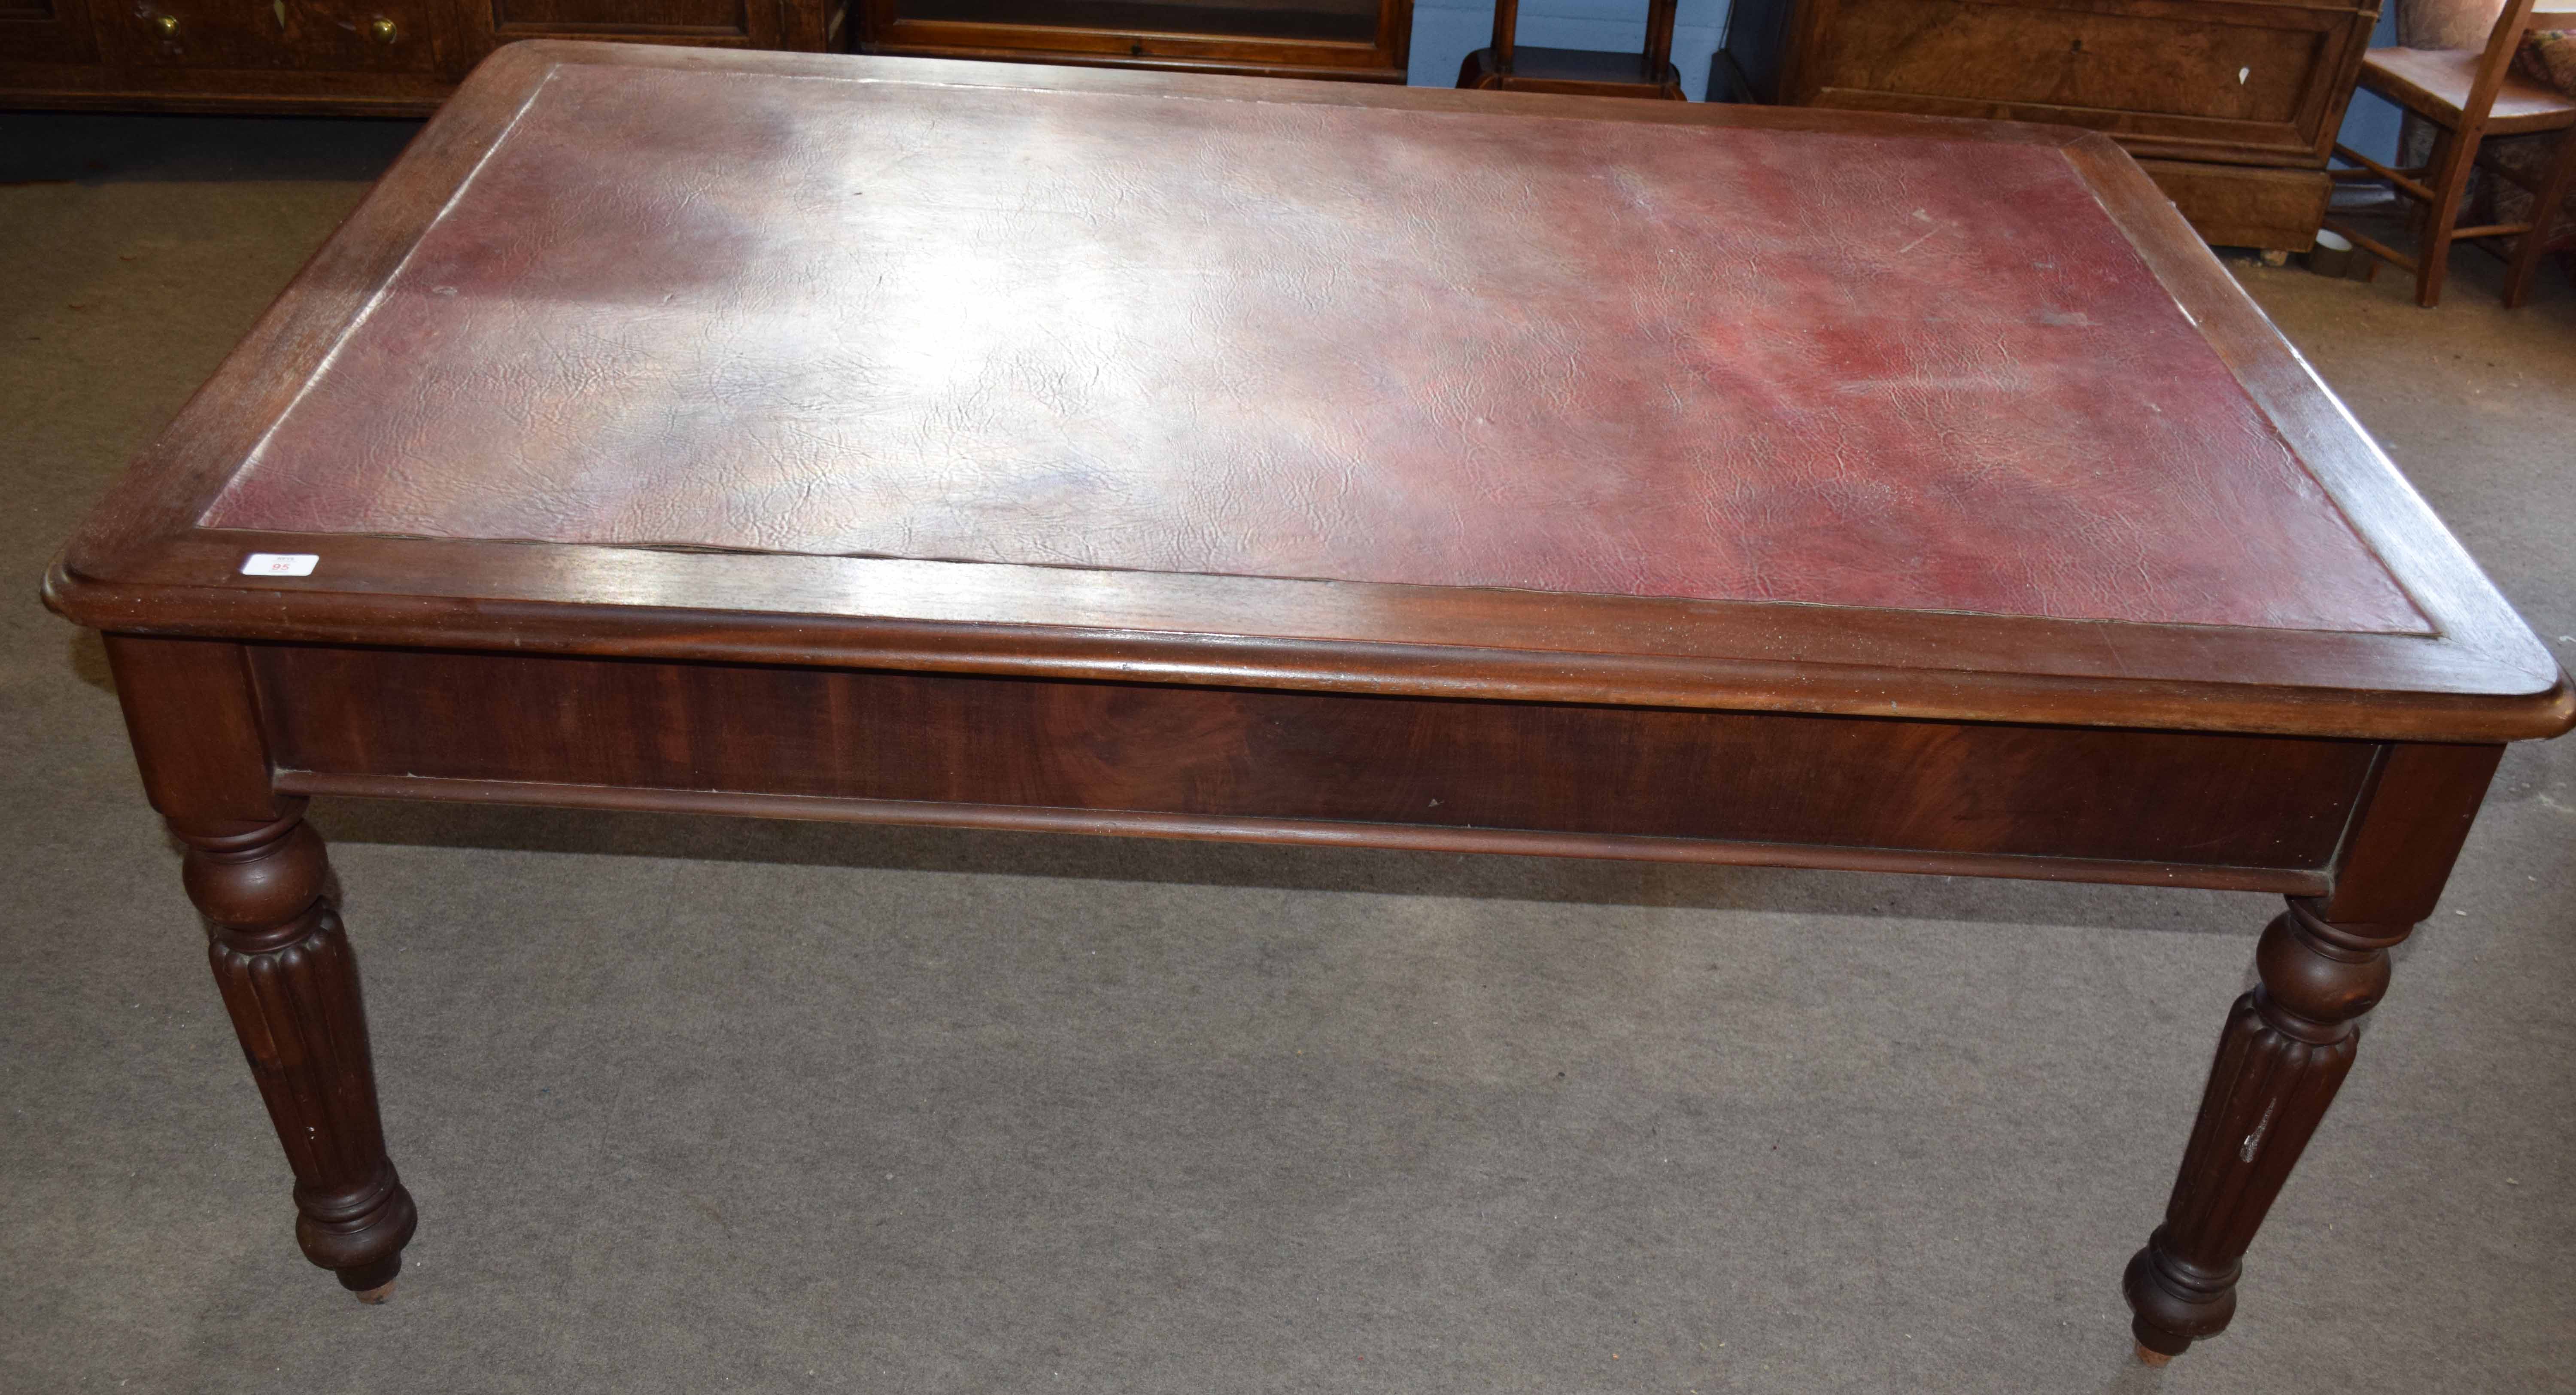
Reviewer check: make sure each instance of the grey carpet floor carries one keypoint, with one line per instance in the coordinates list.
(701, 1105)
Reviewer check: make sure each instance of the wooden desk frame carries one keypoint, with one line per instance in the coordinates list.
(2340, 769)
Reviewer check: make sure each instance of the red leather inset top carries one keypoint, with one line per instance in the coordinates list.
(1307, 340)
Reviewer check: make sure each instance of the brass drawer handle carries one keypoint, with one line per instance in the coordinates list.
(383, 29)
(167, 24)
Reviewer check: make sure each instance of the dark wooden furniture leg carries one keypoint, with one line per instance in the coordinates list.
(2323, 964)
(1659, 39)
(2548, 202)
(1506, 22)
(259, 874)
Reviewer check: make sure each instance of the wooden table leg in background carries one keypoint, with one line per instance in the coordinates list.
(259, 874)
(2323, 964)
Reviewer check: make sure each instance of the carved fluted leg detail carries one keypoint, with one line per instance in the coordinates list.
(291, 985)
(2284, 1053)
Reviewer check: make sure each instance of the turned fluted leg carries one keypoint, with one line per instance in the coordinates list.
(2280, 1060)
(2321, 966)
(259, 875)
(291, 986)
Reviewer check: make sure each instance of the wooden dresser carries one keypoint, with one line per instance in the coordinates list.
(1357, 40)
(2231, 105)
(354, 57)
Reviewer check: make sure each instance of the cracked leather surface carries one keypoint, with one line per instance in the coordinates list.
(1291, 339)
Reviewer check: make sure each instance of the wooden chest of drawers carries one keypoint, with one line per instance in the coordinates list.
(2231, 105)
(1359, 40)
(362, 57)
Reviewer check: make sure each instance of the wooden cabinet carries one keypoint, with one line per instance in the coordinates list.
(353, 36)
(47, 31)
(374, 57)
(713, 23)
(1362, 39)
(2231, 105)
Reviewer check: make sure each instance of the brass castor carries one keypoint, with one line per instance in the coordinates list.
(2147, 1355)
(385, 1290)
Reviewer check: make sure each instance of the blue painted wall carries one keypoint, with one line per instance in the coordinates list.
(2370, 124)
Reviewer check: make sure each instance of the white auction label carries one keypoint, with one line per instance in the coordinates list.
(279, 564)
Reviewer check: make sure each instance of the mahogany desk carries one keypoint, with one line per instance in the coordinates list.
(1216, 458)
